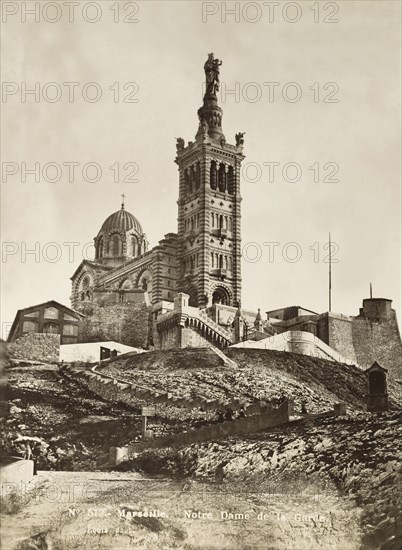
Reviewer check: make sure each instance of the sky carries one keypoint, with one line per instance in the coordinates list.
(316, 88)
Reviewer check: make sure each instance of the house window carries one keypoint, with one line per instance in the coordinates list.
(29, 326)
(70, 330)
(51, 328)
(51, 313)
(33, 314)
(68, 317)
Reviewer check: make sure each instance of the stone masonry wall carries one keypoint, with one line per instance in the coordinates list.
(126, 323)
(182, 337)
(36, 347)
(336, 331)
(192, 339)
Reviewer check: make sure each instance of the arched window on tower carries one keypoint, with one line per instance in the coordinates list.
(222, 178)
(213, 175)
(193, 299)
(193, 178)
(212, 259)
(188, 182)
(220, 296)
(212, 219)
(197, 175)
(231, 180)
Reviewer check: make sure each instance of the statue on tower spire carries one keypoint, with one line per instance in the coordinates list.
(211, 68)
(210, 114)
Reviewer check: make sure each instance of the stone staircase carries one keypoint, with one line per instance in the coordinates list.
(119, 391)
(197, 320)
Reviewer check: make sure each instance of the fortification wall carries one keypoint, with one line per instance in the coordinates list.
(378, 341)
(336, 331)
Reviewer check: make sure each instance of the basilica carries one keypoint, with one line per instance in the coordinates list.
(201, 259)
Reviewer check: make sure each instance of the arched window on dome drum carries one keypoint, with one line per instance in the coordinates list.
(213, 175)
(198, 175)
(99, 248)
(231, 180)
(115, 246)
(222, 178)
(133, 247)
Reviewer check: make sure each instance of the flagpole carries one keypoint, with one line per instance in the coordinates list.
(330, 276)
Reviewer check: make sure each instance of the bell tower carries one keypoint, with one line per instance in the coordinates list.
(209, 205)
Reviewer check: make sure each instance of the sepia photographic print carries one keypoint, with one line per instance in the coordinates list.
(200, 275)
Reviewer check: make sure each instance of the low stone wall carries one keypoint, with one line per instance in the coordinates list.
(241, 426)
(36, 347)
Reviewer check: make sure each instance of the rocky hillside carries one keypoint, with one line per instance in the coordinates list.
(254, 375)
(70, 426)
(355, 459)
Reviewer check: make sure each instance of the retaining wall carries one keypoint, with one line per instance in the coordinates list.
(241, 426)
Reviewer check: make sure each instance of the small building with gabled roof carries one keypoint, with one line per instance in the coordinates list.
(47, 318)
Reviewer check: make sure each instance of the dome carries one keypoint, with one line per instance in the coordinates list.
(121, 221)
(120, 239)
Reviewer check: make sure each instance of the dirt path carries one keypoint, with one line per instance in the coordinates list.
(119, 510)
